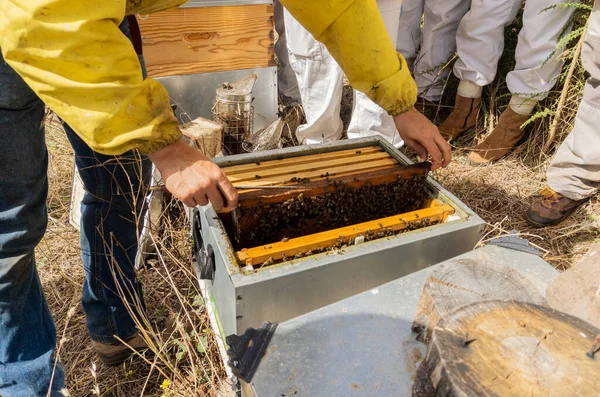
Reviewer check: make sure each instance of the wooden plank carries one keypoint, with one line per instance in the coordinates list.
(208, 39)
(299, 170)
(251, 198)
(318, 241)
(286, 178)
(264, 165)
(243, 192)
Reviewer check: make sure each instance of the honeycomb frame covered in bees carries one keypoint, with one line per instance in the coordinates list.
(335, 199)
(351, 259)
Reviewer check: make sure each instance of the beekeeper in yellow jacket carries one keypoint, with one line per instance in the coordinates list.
(73, 56)
(75, 59)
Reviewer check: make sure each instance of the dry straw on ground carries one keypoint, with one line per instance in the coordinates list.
(187, 363)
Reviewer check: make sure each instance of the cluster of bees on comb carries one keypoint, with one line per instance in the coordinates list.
(345, 206)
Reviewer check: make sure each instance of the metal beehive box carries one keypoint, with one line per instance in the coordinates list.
(286, 290)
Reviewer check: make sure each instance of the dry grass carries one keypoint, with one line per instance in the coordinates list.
(187, 363)
(499, 193)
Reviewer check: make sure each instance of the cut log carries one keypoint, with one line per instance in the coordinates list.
(462, 282)
(508, 348)
(577, 290)
(205, 135)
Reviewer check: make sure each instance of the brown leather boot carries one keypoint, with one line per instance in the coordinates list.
(113, 354)
(502, 139)
(550, 208)
(462, 118)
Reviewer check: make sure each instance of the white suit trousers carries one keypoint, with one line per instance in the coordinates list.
(480, 42)
(287, 84)
(427, 51)
(320, 80)
(575, 169)
(536, 72)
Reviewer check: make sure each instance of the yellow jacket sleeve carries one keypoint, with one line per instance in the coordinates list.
(75, 58)
(354, 33)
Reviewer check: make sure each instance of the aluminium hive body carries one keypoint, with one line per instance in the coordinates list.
(239, 299)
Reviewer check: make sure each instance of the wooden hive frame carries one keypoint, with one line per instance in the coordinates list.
(191, 40)
(341, 236)
(318, 174)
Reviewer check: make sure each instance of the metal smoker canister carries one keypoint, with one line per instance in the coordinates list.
(233, 108)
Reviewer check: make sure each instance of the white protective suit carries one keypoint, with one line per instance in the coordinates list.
(320, 81)
(287, 85)
(428, 50)
(480, 42)
(575, 169)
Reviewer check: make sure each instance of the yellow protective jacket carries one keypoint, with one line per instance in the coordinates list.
(74, 57)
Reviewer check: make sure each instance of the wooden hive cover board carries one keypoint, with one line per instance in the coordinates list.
(310, 168)
(208, 39)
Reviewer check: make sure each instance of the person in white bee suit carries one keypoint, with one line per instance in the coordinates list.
(480, 42)
(320, 81)
(287, 85)
(429, 48)
(574, 173)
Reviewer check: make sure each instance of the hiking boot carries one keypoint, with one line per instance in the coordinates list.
(502, 140)
(463, 117)
(113, 354)
(550, 208)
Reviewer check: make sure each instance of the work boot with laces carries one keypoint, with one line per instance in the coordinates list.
(502, 140)
(463, 117)
(550, 208)
(113, 354)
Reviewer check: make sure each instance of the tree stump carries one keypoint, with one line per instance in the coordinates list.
(508, 348)
(464, 281)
